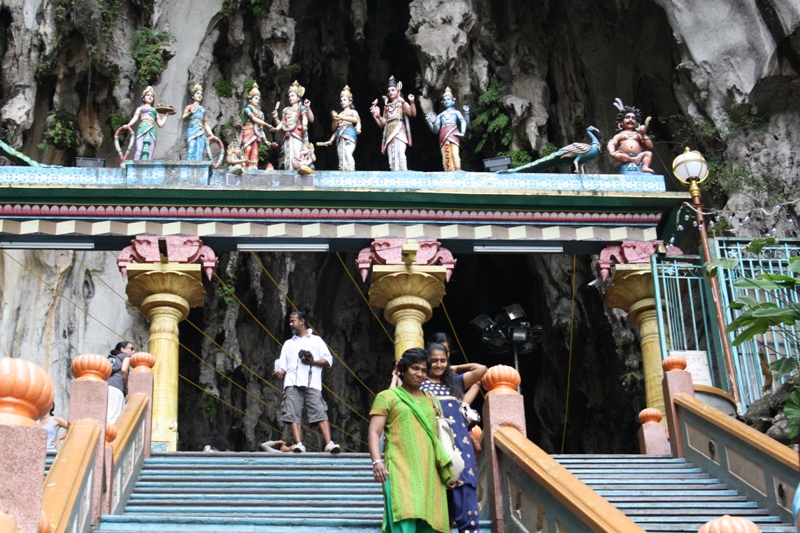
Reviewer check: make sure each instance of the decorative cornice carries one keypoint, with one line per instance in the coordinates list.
(145, 212)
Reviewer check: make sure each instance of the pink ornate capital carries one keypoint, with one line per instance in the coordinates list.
(153, 249)
(390, 252)
(630, 252)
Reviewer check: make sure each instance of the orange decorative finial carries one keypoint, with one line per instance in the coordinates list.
(26, 392)
(44, 523)
(501, 379)
(142, 362)
(674, 362)
(111, 432)
(650, 416)
(729, 524)
(91, 367)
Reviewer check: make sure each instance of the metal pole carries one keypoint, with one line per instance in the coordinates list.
(694, 190)
(516, 364)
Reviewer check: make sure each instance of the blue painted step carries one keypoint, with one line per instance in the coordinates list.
(666, 494)
(254, 492)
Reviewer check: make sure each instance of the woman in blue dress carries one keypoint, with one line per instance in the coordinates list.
(197, 128)
(448, 383)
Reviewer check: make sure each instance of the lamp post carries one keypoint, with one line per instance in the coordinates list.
(690, 168)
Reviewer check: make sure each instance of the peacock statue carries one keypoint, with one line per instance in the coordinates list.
(577, 154)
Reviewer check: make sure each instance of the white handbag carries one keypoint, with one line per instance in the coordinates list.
(448, 439)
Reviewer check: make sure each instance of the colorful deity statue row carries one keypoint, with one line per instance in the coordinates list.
(631, 146)
(292, 123)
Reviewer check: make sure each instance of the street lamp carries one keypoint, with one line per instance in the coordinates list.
(690, 168)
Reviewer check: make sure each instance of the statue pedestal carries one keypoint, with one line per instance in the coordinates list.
(408, 295)
(165, 292)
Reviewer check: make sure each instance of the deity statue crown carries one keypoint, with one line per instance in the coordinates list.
(396, 84)
(297, 89)
(149, 89)
(346, 92)
(253, 91)
(196, 88)
(448, 92)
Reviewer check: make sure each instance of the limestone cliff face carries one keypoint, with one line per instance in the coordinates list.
(722, 75)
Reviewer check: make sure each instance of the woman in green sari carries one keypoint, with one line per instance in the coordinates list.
(415, 499)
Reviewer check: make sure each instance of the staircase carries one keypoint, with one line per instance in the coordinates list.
(253, 492)
(666, 494)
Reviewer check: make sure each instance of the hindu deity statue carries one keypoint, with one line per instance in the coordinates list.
(149, 116)
(631, 145)
(451, 125)
(252, 133)
(395, 124)
(197, 128)
(346, 127)
(293, 122)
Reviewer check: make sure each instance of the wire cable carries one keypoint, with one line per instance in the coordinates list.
(569, 364)
(333, 352)
(239, 361)
(355, 283)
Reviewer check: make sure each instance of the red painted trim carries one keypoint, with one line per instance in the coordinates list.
(139, 212)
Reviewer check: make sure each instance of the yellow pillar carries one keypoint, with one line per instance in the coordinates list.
(165, 293)
(408, 295)
(632, 291)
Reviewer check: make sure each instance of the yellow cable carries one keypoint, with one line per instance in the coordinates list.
(309, 325)
(228, 353)
(569, 364)
(59, 293)
(355, 283)
(458, 341)
(236, 408)
(233, 293)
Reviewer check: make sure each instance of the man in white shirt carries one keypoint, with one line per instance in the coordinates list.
(300, 365)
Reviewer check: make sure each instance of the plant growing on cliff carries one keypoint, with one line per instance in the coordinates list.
(61, 130)
(224, 88)
(226, 291)
(492, 127)
(149, 49)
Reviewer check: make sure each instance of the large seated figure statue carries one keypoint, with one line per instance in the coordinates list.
(631, 145)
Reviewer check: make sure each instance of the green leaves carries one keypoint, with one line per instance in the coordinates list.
(792, 411)
(757, 245)
(784, 366)
(712, 266)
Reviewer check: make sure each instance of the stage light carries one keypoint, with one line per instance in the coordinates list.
(483, 323)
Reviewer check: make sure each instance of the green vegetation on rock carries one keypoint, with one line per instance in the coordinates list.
(148, 51)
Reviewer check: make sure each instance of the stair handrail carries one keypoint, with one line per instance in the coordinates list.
(747, 460)
(592, 509)
(67, 497)
(752, 437)
(128, 450)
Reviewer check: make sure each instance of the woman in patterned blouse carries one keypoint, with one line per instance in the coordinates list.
(449, 383)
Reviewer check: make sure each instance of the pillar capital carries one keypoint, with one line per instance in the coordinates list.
(501, 379)
(629, 284)
(408, 295)
(91, 367)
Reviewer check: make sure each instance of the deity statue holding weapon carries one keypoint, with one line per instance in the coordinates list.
(631, 145)
(451, 125)
(395, 124)
(294, 123)
(149, 116)
(252, 133)
(197, 129)
(346, 128)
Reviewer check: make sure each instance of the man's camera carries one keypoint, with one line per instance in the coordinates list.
(305, 356)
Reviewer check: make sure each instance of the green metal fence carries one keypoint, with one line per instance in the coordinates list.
(685, 318)
(751, 359)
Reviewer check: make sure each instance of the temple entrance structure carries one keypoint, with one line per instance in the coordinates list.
(408, 227)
